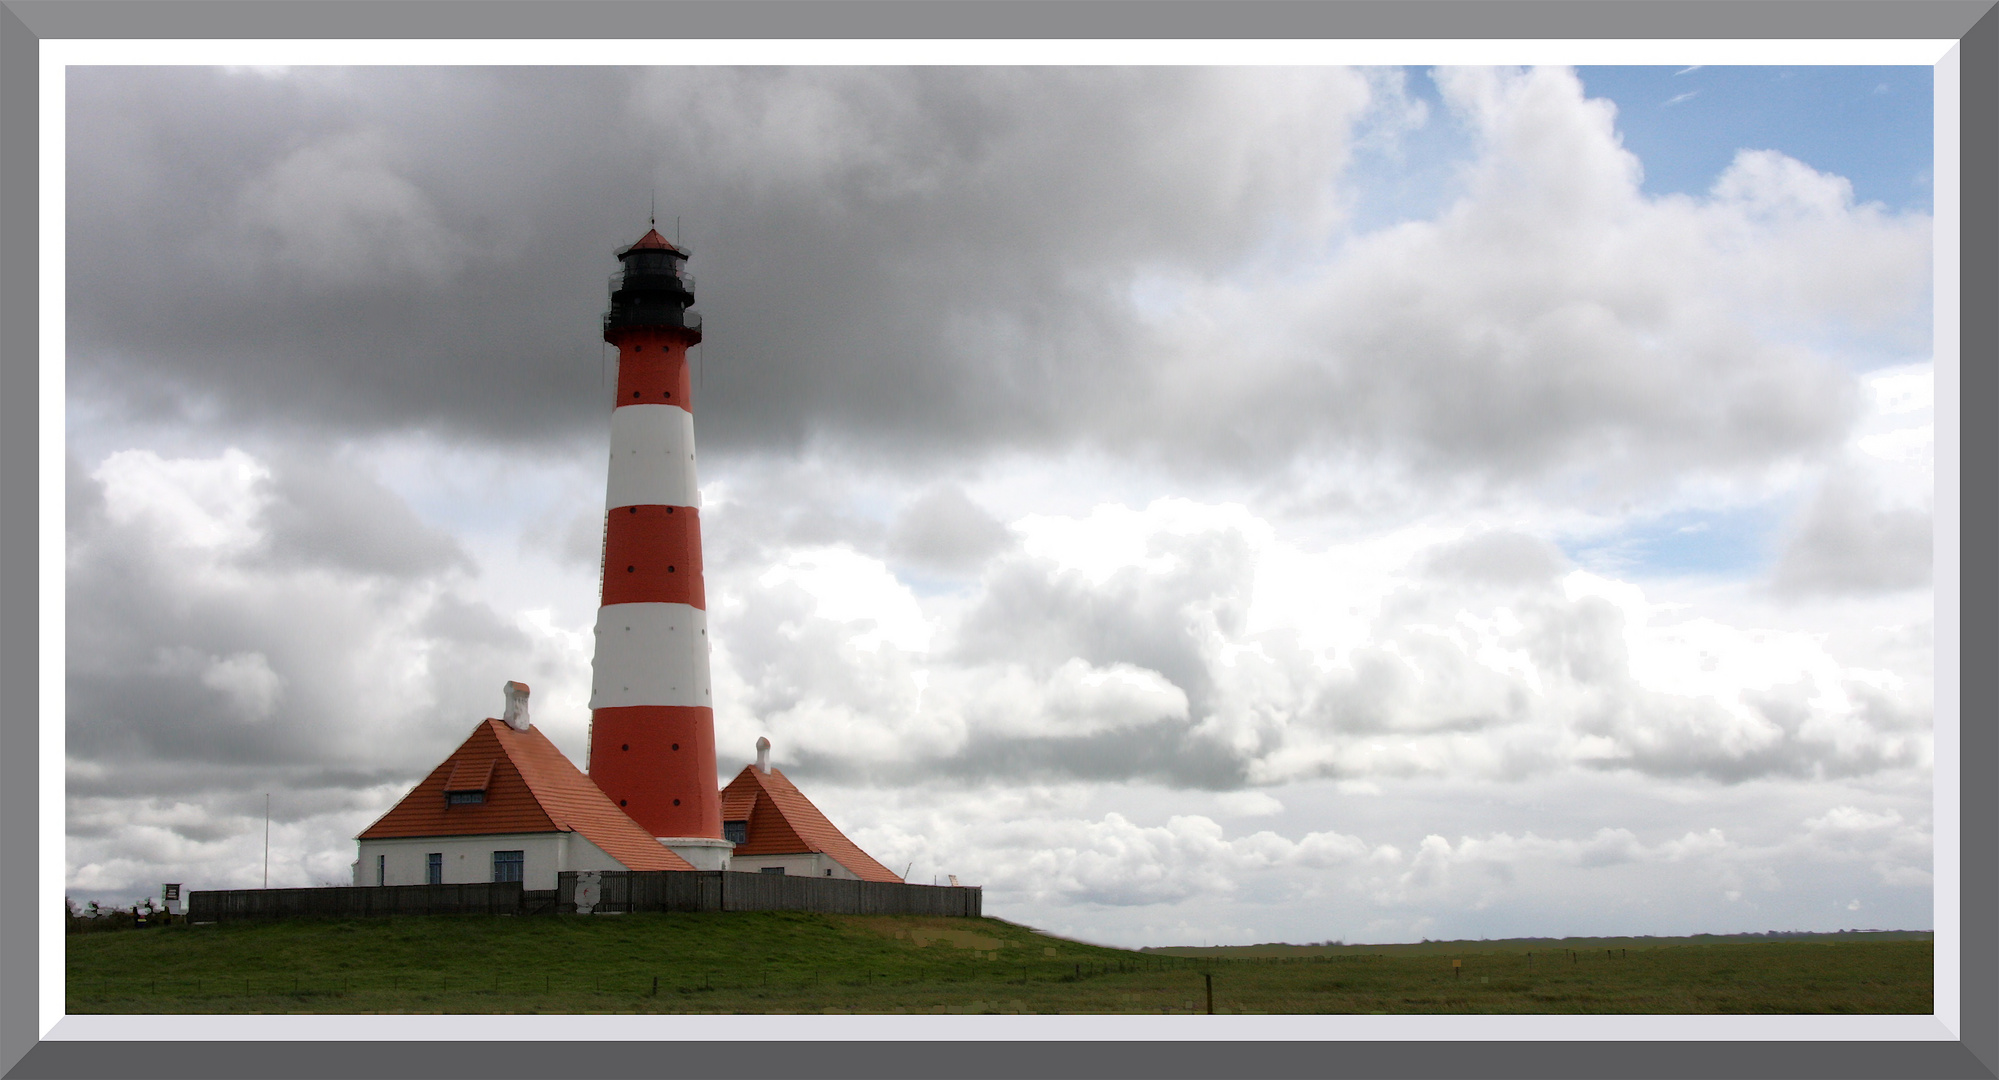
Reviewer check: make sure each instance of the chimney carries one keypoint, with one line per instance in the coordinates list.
(763, 754)
(516, 715)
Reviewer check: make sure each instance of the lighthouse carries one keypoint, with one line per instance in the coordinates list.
(652, 719)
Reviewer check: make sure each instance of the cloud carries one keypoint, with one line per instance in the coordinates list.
(1847, 541)
(1554, 320)
(1140, 648)
(945, 530)
(299, 598)
(336, 213)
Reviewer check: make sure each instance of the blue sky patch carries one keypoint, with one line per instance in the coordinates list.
(1872, 125)
(1736, 543)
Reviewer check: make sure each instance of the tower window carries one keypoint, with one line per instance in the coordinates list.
(676, 802)
(507, 865)
(736, 832)
(676, 746)
(669, 569)
(626, 746)
(621, 802)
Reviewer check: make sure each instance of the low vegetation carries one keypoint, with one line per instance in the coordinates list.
(789, 962)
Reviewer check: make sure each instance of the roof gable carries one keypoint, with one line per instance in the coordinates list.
(783, 821)
(770, 833)
(530, 787)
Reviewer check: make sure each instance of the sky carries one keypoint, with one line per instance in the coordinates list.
(1195, 504)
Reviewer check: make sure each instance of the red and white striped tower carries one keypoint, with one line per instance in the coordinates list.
(652, 727)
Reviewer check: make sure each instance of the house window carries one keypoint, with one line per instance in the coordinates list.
(771, 870)
(506, 866)
(381, 869)
(433, 869)
(459, 798)
(829, 873)
(736, 832)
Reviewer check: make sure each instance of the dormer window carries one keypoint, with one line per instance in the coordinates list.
(736, 832)
(468, 782)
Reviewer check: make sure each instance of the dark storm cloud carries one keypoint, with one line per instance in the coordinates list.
(937, 261)
(356, 249)
(380, 248)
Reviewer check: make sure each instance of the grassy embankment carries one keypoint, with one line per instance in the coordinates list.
(789, 962)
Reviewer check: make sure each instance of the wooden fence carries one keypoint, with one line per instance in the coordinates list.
(481, 898)
(723, 890)
(618, 890)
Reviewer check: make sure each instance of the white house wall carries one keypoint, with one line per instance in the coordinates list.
(807, 865)
(469, 859)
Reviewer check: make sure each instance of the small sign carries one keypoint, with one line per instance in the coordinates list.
(171, 894)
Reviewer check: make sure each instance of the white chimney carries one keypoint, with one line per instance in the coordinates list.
(763, 754)
(516, 715)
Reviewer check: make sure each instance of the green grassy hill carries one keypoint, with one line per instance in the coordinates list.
(791, 962)
(1528, 945)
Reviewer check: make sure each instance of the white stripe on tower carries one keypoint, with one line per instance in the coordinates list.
(651, 654)
(652, 457)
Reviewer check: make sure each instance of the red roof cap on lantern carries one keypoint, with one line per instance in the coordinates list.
(653, 241)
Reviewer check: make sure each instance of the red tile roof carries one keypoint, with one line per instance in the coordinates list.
(530, 787)
(782, 821)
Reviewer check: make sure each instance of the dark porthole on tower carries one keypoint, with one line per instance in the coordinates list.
(676, 802)
(621, 802)
(626, 746)
(676, 746)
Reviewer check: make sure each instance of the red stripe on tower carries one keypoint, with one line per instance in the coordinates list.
(652, 726)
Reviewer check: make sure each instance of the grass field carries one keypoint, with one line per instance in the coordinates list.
(786, 962)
